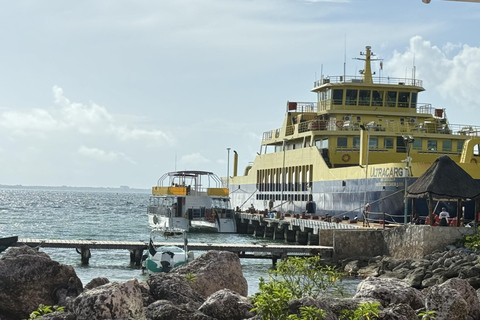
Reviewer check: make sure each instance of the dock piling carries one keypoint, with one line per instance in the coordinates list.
(86, 254)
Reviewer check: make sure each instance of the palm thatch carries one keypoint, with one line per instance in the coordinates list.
(444, 180)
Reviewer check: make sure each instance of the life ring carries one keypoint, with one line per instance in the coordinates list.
(473, 160)
(346, 157)
(339, 124)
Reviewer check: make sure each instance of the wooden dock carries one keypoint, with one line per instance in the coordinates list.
(136, 248)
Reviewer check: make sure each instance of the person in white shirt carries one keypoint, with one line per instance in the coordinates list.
(443, 216)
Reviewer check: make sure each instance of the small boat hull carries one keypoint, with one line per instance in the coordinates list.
(166, 257)
(7, 242)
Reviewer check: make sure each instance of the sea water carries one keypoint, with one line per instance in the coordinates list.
(115, 216)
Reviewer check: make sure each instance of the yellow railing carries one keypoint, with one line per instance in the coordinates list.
(159, 191)
(217, 191)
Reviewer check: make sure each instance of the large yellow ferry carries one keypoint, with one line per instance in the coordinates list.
(355, 149)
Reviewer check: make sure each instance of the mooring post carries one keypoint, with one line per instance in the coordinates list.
(85, 254)
(274, 261)
(136, 256)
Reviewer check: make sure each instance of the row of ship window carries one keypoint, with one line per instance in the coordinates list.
(381, 143)
(388, 143)
(286, 197)
(377, 98)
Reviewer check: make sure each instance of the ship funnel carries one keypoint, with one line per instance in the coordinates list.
(235, 163)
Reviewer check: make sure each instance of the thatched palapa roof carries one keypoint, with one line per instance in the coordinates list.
(444, 180)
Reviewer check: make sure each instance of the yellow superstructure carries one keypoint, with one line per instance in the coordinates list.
(364, 138)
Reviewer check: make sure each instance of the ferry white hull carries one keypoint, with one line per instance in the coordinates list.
(221, 226)
(340, 192)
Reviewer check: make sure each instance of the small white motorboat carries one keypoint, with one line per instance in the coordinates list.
(164, 258)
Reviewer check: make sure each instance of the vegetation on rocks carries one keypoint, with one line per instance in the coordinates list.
(43, 310)
(294, 278)
(473, 241)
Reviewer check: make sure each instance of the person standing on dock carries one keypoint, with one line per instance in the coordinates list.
(443, 216)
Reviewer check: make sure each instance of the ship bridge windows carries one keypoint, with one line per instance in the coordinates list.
(403, 99)
(351, 97)
(337, 96)
(413, 102)
(364, 97)
(377, 98)
(459, 146)
(391, 98)
(432, 145)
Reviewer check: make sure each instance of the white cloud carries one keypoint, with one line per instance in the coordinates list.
(83, 117)
(76, 119)
(451, 82)
(194, 158)
(102, 155)
(124, 133)
(27, 122)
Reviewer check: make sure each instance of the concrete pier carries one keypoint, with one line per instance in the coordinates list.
(136, 248)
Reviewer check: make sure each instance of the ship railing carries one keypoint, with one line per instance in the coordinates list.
(376, 80)
(434, 127)
(412, 127)
(302, 106)
(422, 108)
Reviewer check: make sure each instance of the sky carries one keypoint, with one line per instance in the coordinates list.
(104, 93)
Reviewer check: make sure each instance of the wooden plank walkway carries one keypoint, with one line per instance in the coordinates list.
(136, 248)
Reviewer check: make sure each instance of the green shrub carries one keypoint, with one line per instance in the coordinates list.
(43, 310)
(473, 241)
(365, 311)
(309, 313)
(427, 315)
(294, 278)
(190, 278)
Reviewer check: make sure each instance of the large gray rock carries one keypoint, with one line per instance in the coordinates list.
(389, 291)
(398, 312)
(227, 305)
(29, 278)
(415, 277)
(111, 301)
(172, 287)
(96, 282)
(454, 299)
(213, 271)
(166, 310)
(59, 315)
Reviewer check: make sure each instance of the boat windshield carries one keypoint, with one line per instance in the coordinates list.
(162, 205)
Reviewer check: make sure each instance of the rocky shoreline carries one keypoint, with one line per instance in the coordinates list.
(213, 287)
